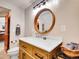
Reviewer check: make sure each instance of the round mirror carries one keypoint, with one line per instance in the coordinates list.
(44, 21)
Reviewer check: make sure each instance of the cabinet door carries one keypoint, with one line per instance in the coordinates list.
(23, 55)
(20, 54)
(26, 47)
(27, 56)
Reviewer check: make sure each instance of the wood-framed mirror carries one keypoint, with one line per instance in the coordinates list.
(44, 21)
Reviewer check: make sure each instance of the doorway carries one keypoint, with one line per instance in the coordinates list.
(4, 28)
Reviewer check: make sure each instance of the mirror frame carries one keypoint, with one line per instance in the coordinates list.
(36, 19)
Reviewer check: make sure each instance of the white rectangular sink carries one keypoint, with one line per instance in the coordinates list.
(47, 44)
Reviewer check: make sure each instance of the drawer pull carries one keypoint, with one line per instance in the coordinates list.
(41, 57)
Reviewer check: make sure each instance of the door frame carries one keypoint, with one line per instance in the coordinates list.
(7, 32)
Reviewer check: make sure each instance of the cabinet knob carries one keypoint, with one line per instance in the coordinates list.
(23, 46)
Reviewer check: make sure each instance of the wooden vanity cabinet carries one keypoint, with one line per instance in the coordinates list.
(27, 51)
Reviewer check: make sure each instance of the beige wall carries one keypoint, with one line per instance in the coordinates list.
(3, 13)
(17, 17)
(67, 15)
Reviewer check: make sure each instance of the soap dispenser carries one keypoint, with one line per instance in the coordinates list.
(18, 30)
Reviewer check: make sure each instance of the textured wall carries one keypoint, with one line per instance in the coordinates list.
(67, 19)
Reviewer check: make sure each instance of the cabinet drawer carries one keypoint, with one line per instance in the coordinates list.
(26, 47)
(39, 54)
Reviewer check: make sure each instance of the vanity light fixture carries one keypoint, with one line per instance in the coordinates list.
(43, 2)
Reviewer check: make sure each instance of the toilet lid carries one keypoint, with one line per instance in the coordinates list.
(13, 49)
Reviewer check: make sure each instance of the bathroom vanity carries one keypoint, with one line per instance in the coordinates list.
(38, 48)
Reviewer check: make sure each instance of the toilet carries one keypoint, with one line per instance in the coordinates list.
(13, 52)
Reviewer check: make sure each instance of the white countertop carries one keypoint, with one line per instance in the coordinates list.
(47, 45)
(2, 32)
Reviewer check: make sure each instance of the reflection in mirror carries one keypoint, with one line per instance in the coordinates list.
(44, 21)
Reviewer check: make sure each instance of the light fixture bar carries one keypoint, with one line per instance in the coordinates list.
(42, 2)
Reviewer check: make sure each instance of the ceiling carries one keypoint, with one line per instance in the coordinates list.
(21, 3)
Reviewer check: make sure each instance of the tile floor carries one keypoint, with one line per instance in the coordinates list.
(2, 54)
(1, 45)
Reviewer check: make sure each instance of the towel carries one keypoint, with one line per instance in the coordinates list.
(73, 46)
